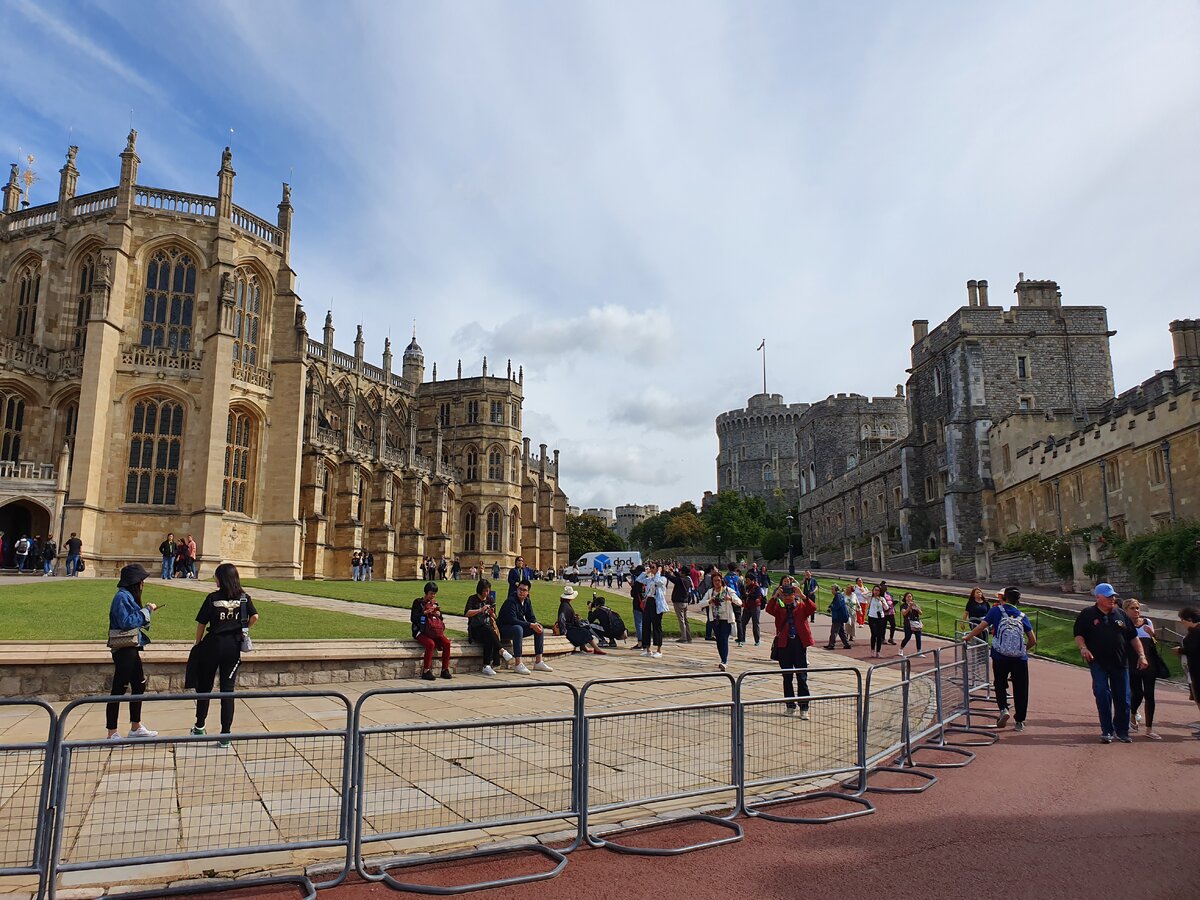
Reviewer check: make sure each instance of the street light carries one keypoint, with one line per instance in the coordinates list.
(718, 548)
(791, 555)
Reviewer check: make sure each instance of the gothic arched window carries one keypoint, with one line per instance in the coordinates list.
(495, 464)
(470, 526)
(83, 300)
(472, 464)
(155, 449)
(12, 418)
(167, 314)
(493, 530)
(247, 316)
(29, 287)
(240, 434)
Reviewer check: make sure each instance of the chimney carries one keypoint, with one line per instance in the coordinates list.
(983, 301)
(900, 391)
(920, 330)
(1185, 336)
(1040, 294)
(972, 293)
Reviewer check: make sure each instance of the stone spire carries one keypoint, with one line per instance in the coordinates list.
(225, 185)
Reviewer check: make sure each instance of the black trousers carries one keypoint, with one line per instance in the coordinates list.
(127, 673)
(794, 656)
(1003, 668)
(222, 654)
(489, 642)
(891, 624)
(651, 626)
(1141, 688)
(878, 627)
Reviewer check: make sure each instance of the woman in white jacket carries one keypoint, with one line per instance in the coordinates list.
(877, 620)
(723, 604)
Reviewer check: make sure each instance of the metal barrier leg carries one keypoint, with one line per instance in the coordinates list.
(737, 835)
(559, 860)
(302, 882)
(866, 808)
(945, 748)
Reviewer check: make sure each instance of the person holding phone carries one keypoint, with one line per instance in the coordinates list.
(791, 611)
(723, 604)
(225, 613)
(482, 628)
(127, 613)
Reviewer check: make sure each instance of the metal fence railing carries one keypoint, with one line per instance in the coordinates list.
(26, 770)
(446, 776)
(780, 749)
(654, 740)
(171, 799)
(452, 774)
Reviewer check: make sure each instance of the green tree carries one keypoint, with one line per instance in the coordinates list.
(589, 534)
(773, 545)
(687, 530)
(737, 519)
(651, 532)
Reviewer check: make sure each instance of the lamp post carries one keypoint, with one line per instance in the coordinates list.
(791, 555)
(718, 548)
(1165, 446)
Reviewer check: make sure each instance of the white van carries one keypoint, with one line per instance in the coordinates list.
(604, 560)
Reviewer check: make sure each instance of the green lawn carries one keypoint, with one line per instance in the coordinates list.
(77, 610)
(452, 596)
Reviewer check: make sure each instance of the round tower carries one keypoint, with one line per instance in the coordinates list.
(414, 361)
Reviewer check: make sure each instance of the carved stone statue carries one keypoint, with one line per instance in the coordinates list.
(301, 318)
(287, 194)
(105, 270)
(226, 288)
(131, 141)
(226, 158)
(71, 151)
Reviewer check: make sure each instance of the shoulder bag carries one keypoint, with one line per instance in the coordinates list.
(124, 638)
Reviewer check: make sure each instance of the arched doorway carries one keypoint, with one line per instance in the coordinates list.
(17, 518)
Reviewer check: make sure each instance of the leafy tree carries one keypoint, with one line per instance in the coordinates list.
(739, 520)
(687, 530)
(589, 534)
(773, 545)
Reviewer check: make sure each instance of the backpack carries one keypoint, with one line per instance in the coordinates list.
(1009, 639)
(22, 546)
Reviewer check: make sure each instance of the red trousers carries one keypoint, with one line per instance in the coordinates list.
(429, 642)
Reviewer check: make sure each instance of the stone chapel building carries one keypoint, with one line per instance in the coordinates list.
(157, 375)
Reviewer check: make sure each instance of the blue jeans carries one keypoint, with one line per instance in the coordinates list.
(168, 568)
(516, 633)
(1111, 690)
(637, 622)
(47, 566)
(73, 565)
(357, 573)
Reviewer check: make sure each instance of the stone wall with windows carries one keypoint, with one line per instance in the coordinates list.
(756, 449)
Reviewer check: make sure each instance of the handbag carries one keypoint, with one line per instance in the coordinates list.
(81, 566)
(916, 625)
(247, 643)
(124, 638)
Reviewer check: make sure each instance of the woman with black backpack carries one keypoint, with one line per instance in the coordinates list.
(228, 614)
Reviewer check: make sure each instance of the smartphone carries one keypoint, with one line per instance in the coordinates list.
(492, 597)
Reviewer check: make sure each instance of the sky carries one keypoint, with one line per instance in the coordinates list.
(625, 198)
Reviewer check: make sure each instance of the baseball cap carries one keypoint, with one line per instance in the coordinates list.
(1104, 589)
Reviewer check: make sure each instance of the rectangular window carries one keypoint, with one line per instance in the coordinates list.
(1113, 474)
(879, 502)
(896, 497)
(929, 494)
(1048, 503)
(497, 412)
(1158, 471)
(514, 415)
(1022, 366)
(1025, 403)
(943, 483)
(1006, 455)
(941, 432)
(472, 412)
(1078, 480)
(444, 415)
(1118, 526)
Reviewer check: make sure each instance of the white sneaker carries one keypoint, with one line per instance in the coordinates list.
(521, 669)
(506, 656)
(542, 667)
(790, 711)
(142, 731)
(656, 655)
(804, 714)
(489, 671)
(645, 653)
(114, 737)
(1002, 719)
(901, 654)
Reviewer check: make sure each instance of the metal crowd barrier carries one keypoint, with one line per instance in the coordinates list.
(26, 771)
(534, 752)
(676, 750)
(974, 661)
(170, 799)
(441, 777)
(778, 747)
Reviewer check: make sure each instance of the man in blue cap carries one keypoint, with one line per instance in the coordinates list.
(1107, 641)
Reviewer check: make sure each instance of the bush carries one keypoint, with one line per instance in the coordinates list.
(1172, 550)
(1097, 571)
(1054, 549)
(927, 557)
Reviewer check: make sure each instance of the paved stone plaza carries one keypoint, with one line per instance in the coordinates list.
(159, 798)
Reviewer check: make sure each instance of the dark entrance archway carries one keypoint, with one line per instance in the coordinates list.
(17, 518)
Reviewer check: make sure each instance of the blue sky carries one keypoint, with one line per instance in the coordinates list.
(627, 197)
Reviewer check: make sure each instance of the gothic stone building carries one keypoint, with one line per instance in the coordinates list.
(756, 449)
(156, 375)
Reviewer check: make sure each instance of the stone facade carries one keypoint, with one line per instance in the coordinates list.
(630, 516)
(604, 515)
(158, 376)
(756, 452)
(1133, 467)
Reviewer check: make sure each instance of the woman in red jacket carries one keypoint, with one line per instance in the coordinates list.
(792, 611)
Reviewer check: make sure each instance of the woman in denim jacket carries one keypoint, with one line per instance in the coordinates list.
(125, 613)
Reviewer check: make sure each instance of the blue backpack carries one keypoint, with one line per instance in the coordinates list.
(1009, 639)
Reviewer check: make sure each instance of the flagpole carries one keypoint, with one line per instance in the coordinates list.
(763, 348)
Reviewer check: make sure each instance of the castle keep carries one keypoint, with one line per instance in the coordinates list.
(157, 374)
(1008, 422)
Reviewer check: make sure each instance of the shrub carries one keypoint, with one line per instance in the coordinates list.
(926, 557)
(1097, 571)
(1173, 550)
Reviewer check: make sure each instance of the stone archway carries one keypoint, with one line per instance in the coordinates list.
(21, 517)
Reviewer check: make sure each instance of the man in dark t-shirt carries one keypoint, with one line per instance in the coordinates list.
(1108, 641)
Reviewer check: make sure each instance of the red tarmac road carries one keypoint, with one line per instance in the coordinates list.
(1048, 813)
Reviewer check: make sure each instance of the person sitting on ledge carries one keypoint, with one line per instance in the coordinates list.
(517, 620)
(430, 631)
(578, 632)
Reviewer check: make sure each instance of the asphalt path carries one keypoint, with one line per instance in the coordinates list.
(1047, 813)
